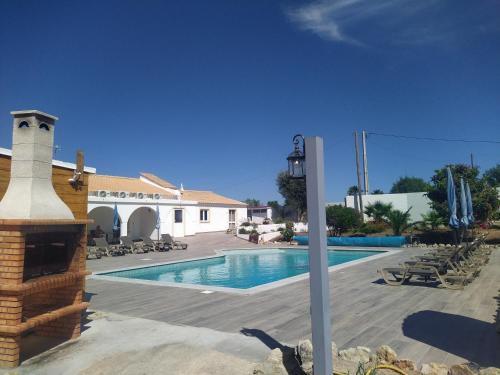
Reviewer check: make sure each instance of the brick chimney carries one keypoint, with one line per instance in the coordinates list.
(30, 194)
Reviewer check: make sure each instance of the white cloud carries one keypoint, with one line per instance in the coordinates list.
(363, 22)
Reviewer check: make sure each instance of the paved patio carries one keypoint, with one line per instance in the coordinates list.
(422, 323)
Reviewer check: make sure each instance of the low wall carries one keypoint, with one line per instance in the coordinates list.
(392, 241)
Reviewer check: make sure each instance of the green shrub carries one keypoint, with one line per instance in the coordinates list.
(245, 224)
(369, 228)
(287, 232)
(243, 231)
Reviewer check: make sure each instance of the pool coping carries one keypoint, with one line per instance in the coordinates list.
(250, 291)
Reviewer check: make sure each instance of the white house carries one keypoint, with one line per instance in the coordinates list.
(182, 212)
(257, 214)
(418, 202)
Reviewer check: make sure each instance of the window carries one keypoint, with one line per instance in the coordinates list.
(178, 216)
(204, 216)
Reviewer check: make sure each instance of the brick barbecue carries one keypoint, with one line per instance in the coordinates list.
(42, 246)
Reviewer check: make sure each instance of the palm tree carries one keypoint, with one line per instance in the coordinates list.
(353, 190)
(399, 221)
(378, 211)
(433, 219)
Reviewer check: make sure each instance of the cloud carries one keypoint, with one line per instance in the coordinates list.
(366, 22)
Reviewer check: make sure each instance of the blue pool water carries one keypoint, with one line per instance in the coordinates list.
(240, 269)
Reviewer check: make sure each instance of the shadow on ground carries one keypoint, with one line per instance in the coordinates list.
(291, 364)
(472, 339)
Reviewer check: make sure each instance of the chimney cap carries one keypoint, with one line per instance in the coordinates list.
(31, 112)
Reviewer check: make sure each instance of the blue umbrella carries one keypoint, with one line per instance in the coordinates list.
(116, 219)
(470, 214)
(452, 201)
(463, 204)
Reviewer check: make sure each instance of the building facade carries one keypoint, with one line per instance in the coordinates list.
(137, 200)
(418, 202)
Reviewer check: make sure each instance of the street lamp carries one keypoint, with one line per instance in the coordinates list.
(297, 158)
(310, 162)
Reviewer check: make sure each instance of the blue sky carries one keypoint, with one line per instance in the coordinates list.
(210, 93)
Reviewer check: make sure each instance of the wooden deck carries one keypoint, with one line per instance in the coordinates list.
(420, 322)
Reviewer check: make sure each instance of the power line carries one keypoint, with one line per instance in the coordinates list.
(434, 139)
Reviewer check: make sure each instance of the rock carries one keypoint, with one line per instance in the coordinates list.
(385, 354)
(490, 371)
(448, 245)
(357, 354)
(304, 350)
(335, 350)
(463, 369)
(273, 365)
(405, 364)
(307, 368)
(434, 369)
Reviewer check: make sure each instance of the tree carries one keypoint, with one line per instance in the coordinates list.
(410, 185)
(484, 197)
(340, 219)
(252, 202)
(399, 221)
(353, 190)
(378, 211)
(492, 176)
(278, 209)
(293, 191)
(377, 191)
(433, 219)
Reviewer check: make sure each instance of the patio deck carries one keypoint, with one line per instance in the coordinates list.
(422, 323)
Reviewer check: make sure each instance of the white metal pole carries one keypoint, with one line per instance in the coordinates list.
(318, 257)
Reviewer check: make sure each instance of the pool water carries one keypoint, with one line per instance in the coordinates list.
(240, 269)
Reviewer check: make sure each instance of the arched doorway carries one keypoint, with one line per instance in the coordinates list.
(103, 217)
(142, 223)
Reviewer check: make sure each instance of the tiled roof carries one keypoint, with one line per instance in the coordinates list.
(127, 184)
(158, 181)
(209, 197)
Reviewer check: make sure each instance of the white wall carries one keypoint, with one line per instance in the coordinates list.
(218, 216)
(418, 202)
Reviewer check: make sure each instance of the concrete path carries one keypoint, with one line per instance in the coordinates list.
(423, 323)
(115, 344)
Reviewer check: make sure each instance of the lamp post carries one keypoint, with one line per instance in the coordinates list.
(308, 164)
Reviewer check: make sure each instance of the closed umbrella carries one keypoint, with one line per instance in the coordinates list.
(452, 201)
(158, 221)
(116, 223)
(463, 204)
(470, 214)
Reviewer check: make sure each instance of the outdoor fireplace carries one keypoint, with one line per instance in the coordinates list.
(42, 246)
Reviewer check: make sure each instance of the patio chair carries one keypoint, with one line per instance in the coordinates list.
(93, 252)
(400, 275)
(106, 249)
(167, 239)
(133, 247)
(158, 245)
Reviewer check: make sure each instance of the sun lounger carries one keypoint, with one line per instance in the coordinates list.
(106, 249)
(132, 246)
(400, 275)
(158, 246)
(167, 238)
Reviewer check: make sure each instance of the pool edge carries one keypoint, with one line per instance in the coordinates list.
(220, 253)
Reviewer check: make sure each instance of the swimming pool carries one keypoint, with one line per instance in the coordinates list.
(238, 269)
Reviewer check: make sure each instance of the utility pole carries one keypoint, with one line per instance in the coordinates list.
(365, 163)
(471, 160)
(360, 199)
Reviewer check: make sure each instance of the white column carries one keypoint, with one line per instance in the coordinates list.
(318, 257)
